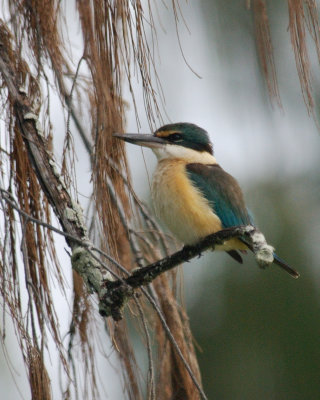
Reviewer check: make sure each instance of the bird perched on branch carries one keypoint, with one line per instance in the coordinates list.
(191, 193)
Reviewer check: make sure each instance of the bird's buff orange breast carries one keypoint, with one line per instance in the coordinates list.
(180, 205)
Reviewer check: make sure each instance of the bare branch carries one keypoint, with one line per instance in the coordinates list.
(117, 292)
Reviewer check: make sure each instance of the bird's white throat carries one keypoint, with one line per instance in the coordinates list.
(172, 151)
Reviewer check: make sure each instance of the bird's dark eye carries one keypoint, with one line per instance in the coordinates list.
(175, 137)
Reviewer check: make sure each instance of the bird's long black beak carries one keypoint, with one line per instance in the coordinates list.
(145, 140)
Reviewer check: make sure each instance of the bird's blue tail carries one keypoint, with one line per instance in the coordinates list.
(277, 260)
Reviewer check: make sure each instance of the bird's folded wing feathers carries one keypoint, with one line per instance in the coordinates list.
(222, 192)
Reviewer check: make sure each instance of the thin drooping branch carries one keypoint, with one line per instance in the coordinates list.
(5, 195)
(117, 292)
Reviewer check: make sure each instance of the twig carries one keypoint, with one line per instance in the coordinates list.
(150, 380)
(131, 238)
(175, 344)
(117, 292)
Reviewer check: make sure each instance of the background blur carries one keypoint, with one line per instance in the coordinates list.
(258, 332)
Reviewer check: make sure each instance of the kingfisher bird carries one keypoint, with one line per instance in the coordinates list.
(192, 194)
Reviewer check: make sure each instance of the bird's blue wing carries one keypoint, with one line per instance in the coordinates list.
(222, 192)
(226, 199)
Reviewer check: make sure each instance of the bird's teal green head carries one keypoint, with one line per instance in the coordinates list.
(186, 135)
(182, 134)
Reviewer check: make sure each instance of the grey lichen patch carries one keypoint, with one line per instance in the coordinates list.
(249, 229)
(70, 214)
(54, 168)
(89, 268)
(57, 174)
(264, 256)
(75, 214)
(29, 116)
(79, 213)
(262, 250)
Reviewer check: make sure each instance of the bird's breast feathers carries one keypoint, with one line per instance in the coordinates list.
(180, 205)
